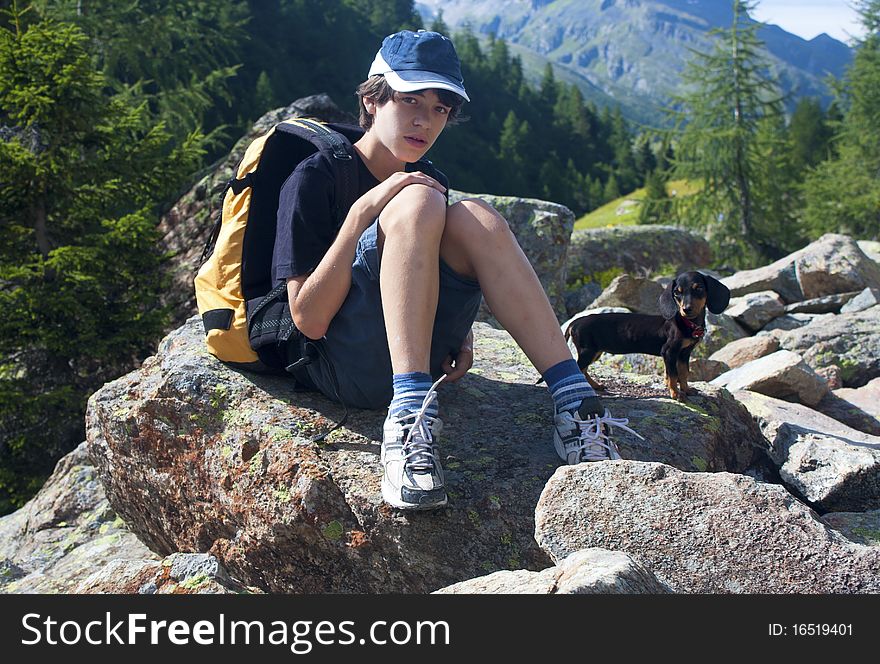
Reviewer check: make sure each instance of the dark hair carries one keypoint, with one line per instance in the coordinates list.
(377, 89)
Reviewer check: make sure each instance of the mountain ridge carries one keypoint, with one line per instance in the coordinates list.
(635, 50)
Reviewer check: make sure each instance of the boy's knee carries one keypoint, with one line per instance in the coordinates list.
(414, 197)
(415, 205)
(475, 215)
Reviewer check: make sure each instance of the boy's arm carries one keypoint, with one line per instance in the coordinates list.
(315, 298)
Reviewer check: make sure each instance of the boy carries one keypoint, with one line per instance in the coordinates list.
(393, 294)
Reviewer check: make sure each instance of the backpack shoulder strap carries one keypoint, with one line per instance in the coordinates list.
(335, 142)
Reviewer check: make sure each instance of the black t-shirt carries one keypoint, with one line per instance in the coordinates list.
(306, 223)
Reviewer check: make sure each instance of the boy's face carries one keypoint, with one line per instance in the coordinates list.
(409, 124)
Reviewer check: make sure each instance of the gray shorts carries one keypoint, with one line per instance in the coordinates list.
(356, 344)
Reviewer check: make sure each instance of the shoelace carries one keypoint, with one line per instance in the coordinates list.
(418, 445)
(595, 434)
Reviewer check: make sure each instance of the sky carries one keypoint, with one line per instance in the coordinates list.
(808, 18)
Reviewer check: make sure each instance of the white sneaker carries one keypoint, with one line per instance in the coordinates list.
(412, 477)
(584, 437)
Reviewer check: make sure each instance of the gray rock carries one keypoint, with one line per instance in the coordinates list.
(795, 321)
(866, 398)
(858, 408)
(830, 304)
(636, 250)
(705, 370)
(199, 457)
(833, 375)
(871, 249)
(721, 330)
(870, 297)
(781, 374)
(859, 527)
(850, 341)
(578, 298)
(701, 532)
(637, 294)
(832, 264)
(64, 532)
(542, 230)
(179, 574)
(742, 351)
(829, 464)
(629, 363)
(588, 572)
(711, 431)
(754, 310)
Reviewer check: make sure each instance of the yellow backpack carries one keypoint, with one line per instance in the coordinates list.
(240, 309)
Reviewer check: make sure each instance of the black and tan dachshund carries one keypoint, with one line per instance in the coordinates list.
(672, 335)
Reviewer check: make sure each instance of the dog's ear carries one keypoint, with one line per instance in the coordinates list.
(668, 308)
(718, 295)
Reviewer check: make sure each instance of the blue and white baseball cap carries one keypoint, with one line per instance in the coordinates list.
(412, 61)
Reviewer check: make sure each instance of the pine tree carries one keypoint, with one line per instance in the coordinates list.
(809, 134)
(439, 25)
(179, 55)
(611, 191)
(645, 160)
(512, 150)
(656, 207)
(264, 95)
(83, 176)
(776, 188)
(843, 194)
(729, 92)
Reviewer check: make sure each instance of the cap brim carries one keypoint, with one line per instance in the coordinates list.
(411, 81)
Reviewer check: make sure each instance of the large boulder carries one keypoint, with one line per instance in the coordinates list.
(781, 374)
(64, 533)
(542, 230)
(636, 249)
(830, 465)
(742, 351)
(832, 264)
(178, 574)
(198, 457)
(870, 297)
(721, 330)
(865, 400)
(754, 310)
(795, 321)
(871, 249)
(701, 532)
(850, 341)
(858, 407)
(637, 294)
(589, 572)
(828, 304)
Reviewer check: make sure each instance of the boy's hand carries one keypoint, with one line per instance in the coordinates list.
(371, 204)
(464, 360)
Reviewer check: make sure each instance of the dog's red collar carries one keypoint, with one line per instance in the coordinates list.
(696, 331)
